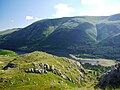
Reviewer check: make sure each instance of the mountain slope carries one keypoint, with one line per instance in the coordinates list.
(111, 79)
(42, 31)
(9, 31)
(114, 17)
(106, 30)
(66, 37)
(98, 35)
(42, 71)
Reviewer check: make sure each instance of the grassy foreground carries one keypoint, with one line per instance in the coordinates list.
(17, 79)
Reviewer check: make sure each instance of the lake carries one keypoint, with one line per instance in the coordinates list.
(95, 62)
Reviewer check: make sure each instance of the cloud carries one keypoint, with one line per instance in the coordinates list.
(63, 10)
(88, 7)
(93, 2)
(33, 18)
(100, 7)
(36, 18)
(29, 17)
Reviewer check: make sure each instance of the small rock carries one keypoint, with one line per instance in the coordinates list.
(63, 76)
(45, 71)
(52, 68)
(69, 79)
(71, 66)
(42, 71)
(47, 67)
(41, 65)
(39, 71)
(29, 70)
(32, 70)
(26, 71)
(78, 64)
(36, 71)
(9, 66)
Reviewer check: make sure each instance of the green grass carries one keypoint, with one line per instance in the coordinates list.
(17, 79)
(7, 52)
(9, 31)
(39, 81)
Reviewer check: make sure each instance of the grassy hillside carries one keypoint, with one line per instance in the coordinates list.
(67, 37)
(9, 31)
(7, 52)
(14, 74)
(113, 41)
(96, 35)
(107, 30)
(114, 17)
(62, 30)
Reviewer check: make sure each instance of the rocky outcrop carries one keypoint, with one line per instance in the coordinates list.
(41, 68)
(44, 68)
(111, 79)
(32, 70)
(9, 65)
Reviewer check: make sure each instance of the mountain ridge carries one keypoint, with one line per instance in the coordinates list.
(83, 34)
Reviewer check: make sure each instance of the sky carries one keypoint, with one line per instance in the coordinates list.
(21, 13)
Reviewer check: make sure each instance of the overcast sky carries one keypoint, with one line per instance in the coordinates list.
(20, 13)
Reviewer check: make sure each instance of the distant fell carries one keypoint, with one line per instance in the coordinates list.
(98, 35)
